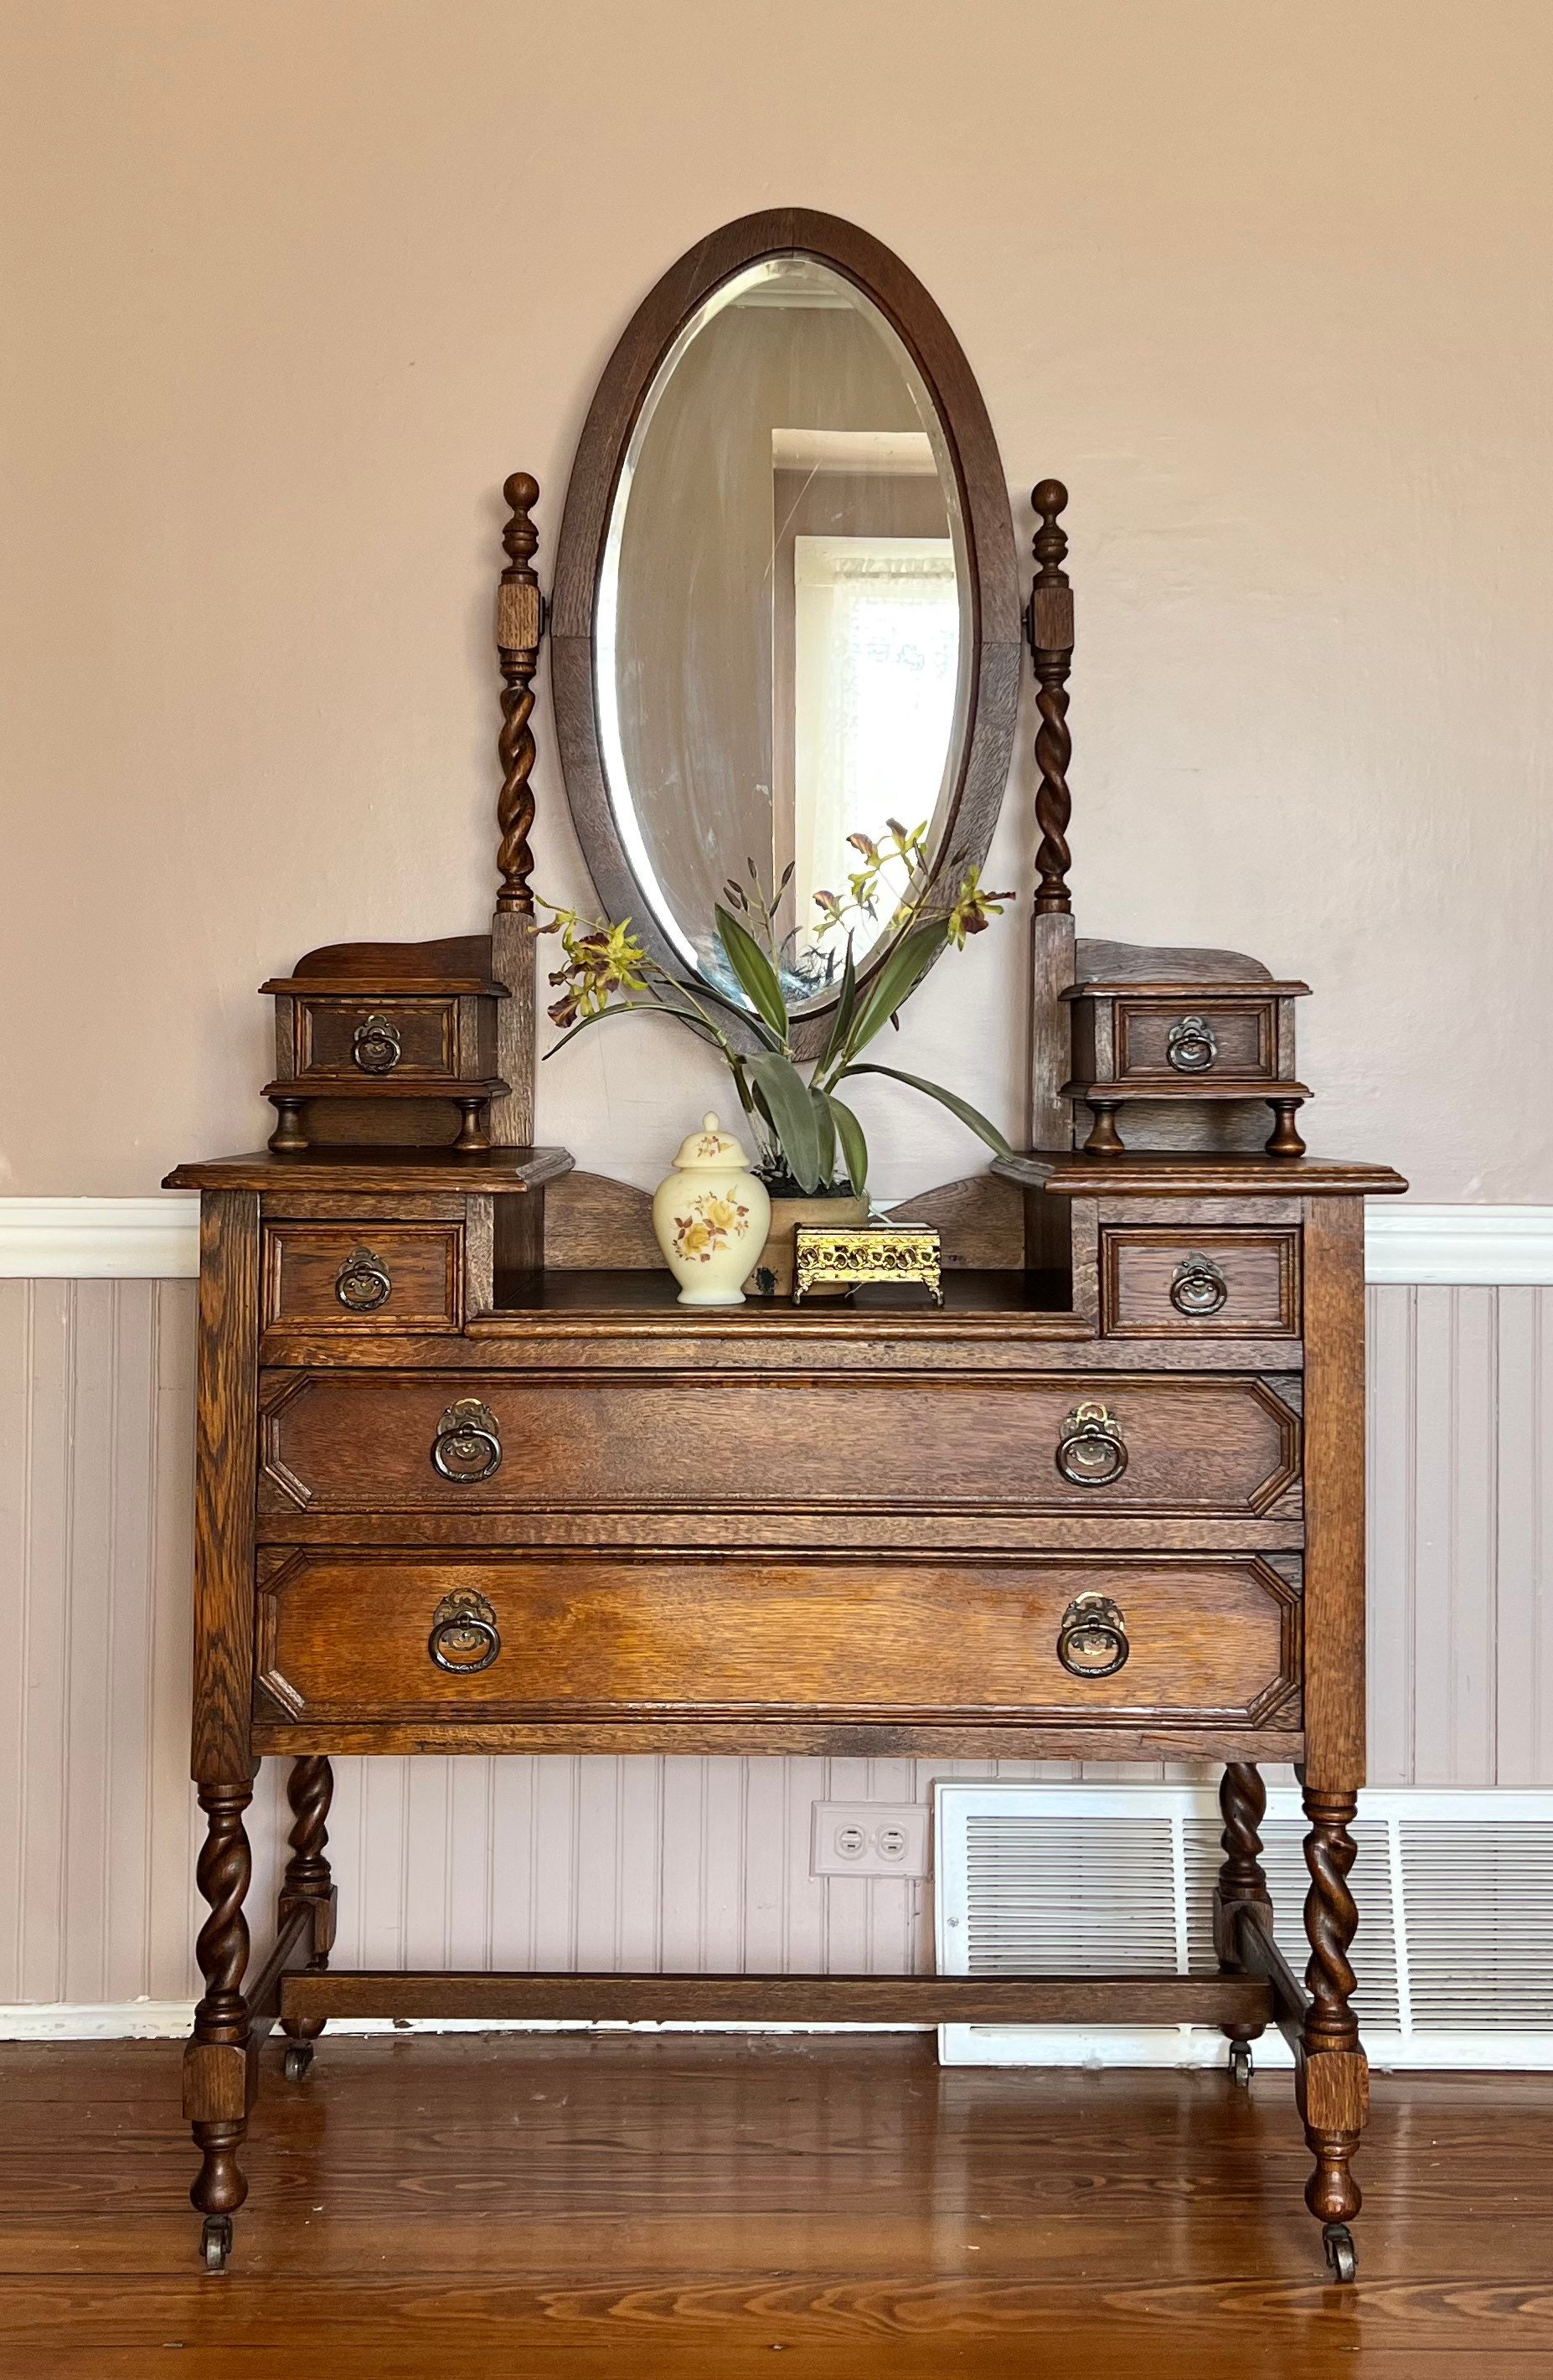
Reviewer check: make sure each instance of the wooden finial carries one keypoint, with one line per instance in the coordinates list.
(1050, 626)
(519, 627)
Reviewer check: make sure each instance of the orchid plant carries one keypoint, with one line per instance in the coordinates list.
(811, 1141)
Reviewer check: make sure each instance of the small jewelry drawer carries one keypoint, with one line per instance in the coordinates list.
(362, 1277)
(352, 1039)
(1175, 1041)
(1215, 1284)
(372, 1637)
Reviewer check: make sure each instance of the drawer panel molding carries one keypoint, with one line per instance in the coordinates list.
(363, 1636)
(362, 1277)
(1197, 1284)
(1165, 1446)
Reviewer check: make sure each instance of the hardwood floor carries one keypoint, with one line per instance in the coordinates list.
(605, 2209)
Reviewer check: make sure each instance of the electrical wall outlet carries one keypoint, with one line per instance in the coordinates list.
(870, 1838)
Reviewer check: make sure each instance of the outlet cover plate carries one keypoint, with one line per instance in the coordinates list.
(870, 1838)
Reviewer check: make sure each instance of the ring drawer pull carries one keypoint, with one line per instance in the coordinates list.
(362, 1284)
(464, 1636)
(374, 1046)
(1197, 1286)
(467, 1447)
(1092, 1642)
(1090, 1449)
(1190, 1045)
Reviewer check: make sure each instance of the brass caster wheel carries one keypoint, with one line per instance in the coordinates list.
(298, 2057)
(1338, 2241)
(1242, 2064)
(215, 2242)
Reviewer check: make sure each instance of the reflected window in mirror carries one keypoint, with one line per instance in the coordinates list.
(872, 694)
(783, 624)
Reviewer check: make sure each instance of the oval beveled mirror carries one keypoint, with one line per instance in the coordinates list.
(785, 613)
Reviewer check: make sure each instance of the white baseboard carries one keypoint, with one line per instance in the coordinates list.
(171, 2021)
(157, 1238)
(1094, 2048)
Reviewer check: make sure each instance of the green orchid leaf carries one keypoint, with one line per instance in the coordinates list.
(846, 1009)
(901, 971)
(697, 991)
(854, 1148)
(786, 1099)
(978, 1123)
(754, 970)
(825, 1124)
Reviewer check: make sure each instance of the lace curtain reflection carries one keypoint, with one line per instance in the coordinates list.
(875, 658)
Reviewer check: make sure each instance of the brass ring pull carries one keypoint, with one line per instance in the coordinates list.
(464, 1636)
(1092, 1642)
(1091, 1452)
(374, 1046)
(468, 1446)
(362, 1284)
(1197, 1286)
(1190, 1046)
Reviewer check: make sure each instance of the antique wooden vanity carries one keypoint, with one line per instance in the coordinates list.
(470, 1480)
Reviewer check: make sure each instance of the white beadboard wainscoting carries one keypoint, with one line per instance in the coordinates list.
(676, 1862)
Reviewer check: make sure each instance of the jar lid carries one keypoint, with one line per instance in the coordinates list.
(710, 1148)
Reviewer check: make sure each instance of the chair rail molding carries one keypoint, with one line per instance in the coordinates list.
(157, 1238)
(150, 1238)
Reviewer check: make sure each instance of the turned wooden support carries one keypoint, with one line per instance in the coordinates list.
(474, 1131)
(310, 1788)
(288, 1135)
(1333, 2081)
(217, 2060)
(1284, 1139)
(519, 629)
(1104, 1139)
(1050, 626)
(1243, 1802)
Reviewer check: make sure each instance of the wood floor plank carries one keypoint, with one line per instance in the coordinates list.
(691, 2206)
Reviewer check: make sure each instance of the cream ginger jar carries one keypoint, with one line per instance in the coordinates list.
(711, 1216)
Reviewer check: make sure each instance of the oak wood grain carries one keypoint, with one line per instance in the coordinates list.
(1259, 1270)
(665, 1444)
(841, 1341)
(302, 1262)
(375, 1171)
(1169, 1173)
(344, 1633)
(781, 1999)
(226, 1423)
(593, 1224)
(1334, 1326)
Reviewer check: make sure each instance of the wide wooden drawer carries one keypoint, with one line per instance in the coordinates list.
(363, 1636)
(390, 1444)
(363, 1277)
(1214, 1284)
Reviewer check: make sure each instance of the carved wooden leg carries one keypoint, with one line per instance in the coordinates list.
(1104, 1139)
(1333, 2081)
(215, 2062)
(1243, 1802)
(308, 1790)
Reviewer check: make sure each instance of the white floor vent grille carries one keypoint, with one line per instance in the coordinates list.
(1454, 1954)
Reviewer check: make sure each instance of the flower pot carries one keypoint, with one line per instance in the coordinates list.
(772, 1275)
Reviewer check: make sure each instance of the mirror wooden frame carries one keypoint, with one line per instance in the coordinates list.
(996, 631)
